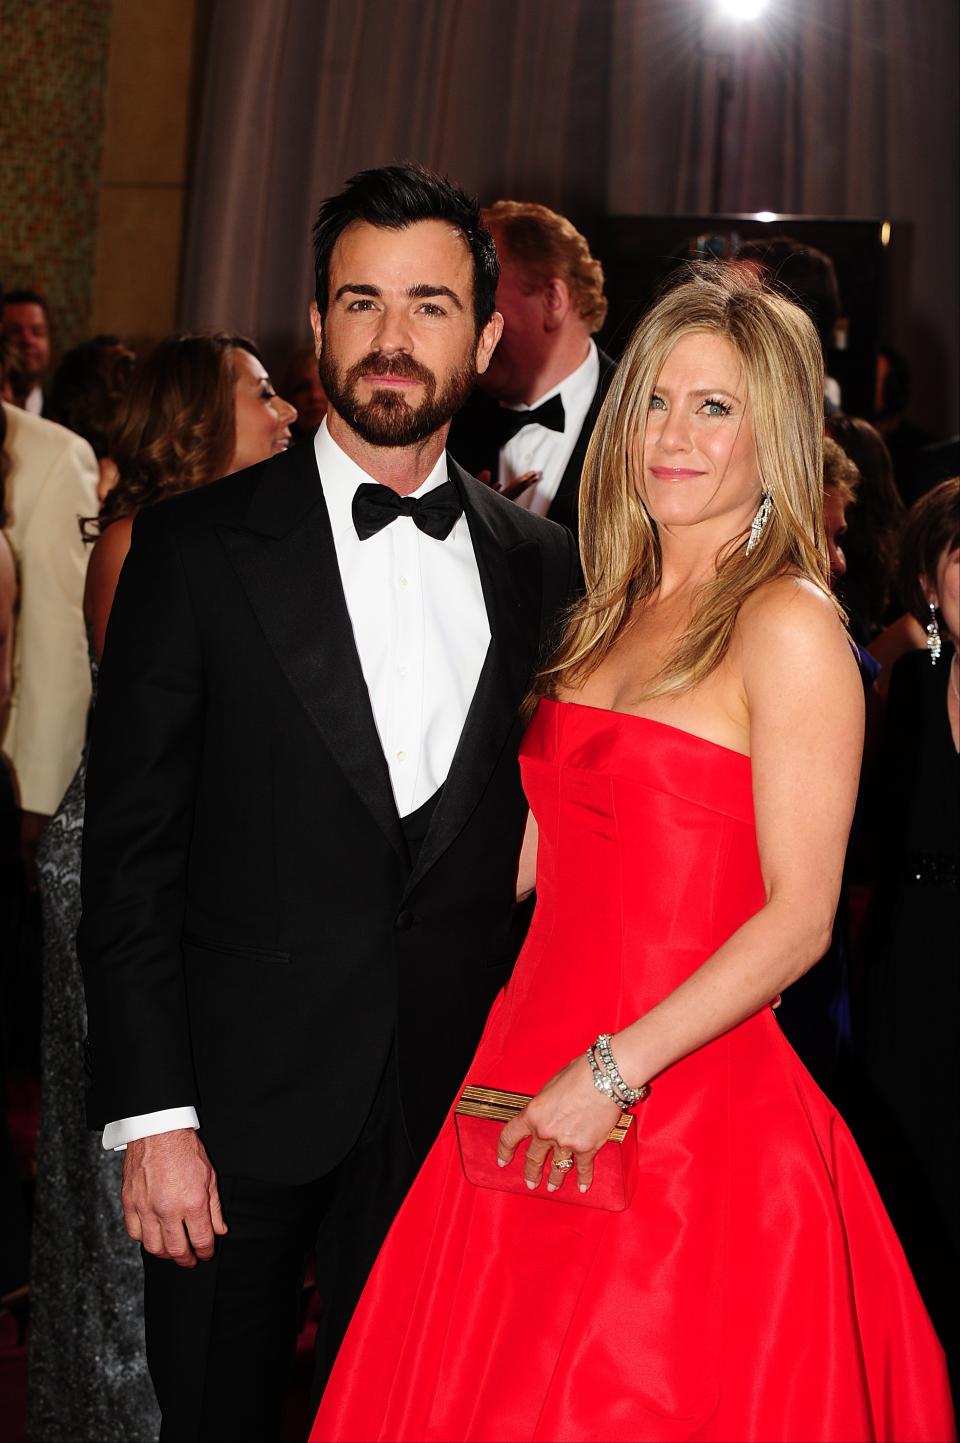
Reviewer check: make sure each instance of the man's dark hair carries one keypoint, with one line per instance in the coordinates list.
(393, 197)
(801, 273)
(27, 298)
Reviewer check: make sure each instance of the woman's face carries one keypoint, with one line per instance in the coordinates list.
(835, 525)
(945, 592)
(262, 418)
(699, 455)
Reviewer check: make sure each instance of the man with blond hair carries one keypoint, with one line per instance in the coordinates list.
(526, 428)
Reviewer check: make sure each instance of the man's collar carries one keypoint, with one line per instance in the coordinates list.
(340, 476)
(582, 381)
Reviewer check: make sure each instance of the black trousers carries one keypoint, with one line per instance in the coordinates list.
(221, 1336)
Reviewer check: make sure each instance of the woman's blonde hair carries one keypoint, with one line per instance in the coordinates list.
(782, 366)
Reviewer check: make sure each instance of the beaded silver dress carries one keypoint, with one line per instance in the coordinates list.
(88, 1375)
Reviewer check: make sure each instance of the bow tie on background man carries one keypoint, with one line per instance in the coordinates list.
(375, 506)
(507, 423)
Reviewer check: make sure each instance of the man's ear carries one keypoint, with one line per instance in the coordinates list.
(556, 303)
(487, 341)
(316, 325)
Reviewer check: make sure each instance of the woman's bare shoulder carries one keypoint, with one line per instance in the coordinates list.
(792, 635)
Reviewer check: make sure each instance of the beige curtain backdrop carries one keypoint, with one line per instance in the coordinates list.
(839, 107)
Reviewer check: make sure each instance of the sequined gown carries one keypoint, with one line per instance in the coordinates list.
(88, 1373)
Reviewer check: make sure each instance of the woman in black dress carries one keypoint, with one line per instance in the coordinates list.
(908, 1006)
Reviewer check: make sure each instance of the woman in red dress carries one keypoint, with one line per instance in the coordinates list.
(691, 769)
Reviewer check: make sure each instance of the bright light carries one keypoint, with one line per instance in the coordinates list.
(765, 215)
(741, 9)
(885, 233)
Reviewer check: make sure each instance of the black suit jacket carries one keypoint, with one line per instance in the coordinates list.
(253, 934)
(470, 444)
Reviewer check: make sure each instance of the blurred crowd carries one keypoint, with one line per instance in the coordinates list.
(90, 437)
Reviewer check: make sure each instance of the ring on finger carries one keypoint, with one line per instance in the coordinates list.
(562, 1161)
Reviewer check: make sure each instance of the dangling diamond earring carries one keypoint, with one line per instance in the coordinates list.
(934, 644)
(760, 520)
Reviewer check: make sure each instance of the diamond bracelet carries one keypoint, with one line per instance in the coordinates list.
(609, 1080)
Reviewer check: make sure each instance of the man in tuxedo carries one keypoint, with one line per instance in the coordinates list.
(304, 815)
(528, 425)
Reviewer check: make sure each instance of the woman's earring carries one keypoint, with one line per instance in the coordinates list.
(934, 644)
(760, 520)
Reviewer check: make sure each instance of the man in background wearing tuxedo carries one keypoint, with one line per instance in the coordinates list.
(527, 427)
(304, 816)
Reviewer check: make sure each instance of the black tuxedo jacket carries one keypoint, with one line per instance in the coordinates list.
(470, 444)
(254, 936)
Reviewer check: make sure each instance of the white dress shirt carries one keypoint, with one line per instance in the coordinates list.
(421, 632)
(537, 448)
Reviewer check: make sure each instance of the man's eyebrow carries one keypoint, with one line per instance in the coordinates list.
(357, 289)
(424, 291)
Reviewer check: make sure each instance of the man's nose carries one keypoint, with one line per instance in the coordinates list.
(393, 332)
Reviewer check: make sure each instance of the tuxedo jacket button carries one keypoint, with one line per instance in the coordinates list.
(404, 921)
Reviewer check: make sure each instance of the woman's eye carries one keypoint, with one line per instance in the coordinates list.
(714, 407)
(657, 403)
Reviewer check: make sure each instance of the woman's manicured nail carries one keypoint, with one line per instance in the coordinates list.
(583, 1186)
(552, 1186)
(531, 1185)
(501, 1162)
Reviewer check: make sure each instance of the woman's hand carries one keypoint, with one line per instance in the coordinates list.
(568, 1117)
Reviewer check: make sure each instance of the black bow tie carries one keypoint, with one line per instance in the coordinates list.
(550, 415)
(374, 507)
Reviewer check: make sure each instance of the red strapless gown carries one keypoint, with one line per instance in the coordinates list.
(754, 1289)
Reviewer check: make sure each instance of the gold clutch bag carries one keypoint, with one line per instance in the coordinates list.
(479, 1117)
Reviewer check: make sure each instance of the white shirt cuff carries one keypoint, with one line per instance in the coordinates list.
(116, 1135)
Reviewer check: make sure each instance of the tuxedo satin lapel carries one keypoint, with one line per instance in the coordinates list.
(510, 574)
(287, 565)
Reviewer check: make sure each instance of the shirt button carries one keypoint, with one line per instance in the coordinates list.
(404, 581)
(403, 670)
(401, 756)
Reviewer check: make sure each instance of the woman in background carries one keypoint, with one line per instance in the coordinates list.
(873, 529)
(907, 1009)
(87, 395)
(200, 407)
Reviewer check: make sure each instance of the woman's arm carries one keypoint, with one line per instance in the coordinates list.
(805, 703)
(103, 573)
(527, 869)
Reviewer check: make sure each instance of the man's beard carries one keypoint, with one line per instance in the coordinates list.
(387, 419)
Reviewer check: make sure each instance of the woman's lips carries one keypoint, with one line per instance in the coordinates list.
(673, 473)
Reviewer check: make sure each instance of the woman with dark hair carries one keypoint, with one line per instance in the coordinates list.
(907, 1007)
(872, 530)
(721, 1267)
(200, 407)
(87, 394)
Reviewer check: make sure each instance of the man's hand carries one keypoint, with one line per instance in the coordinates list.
(170, 1200)
(511, 489)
